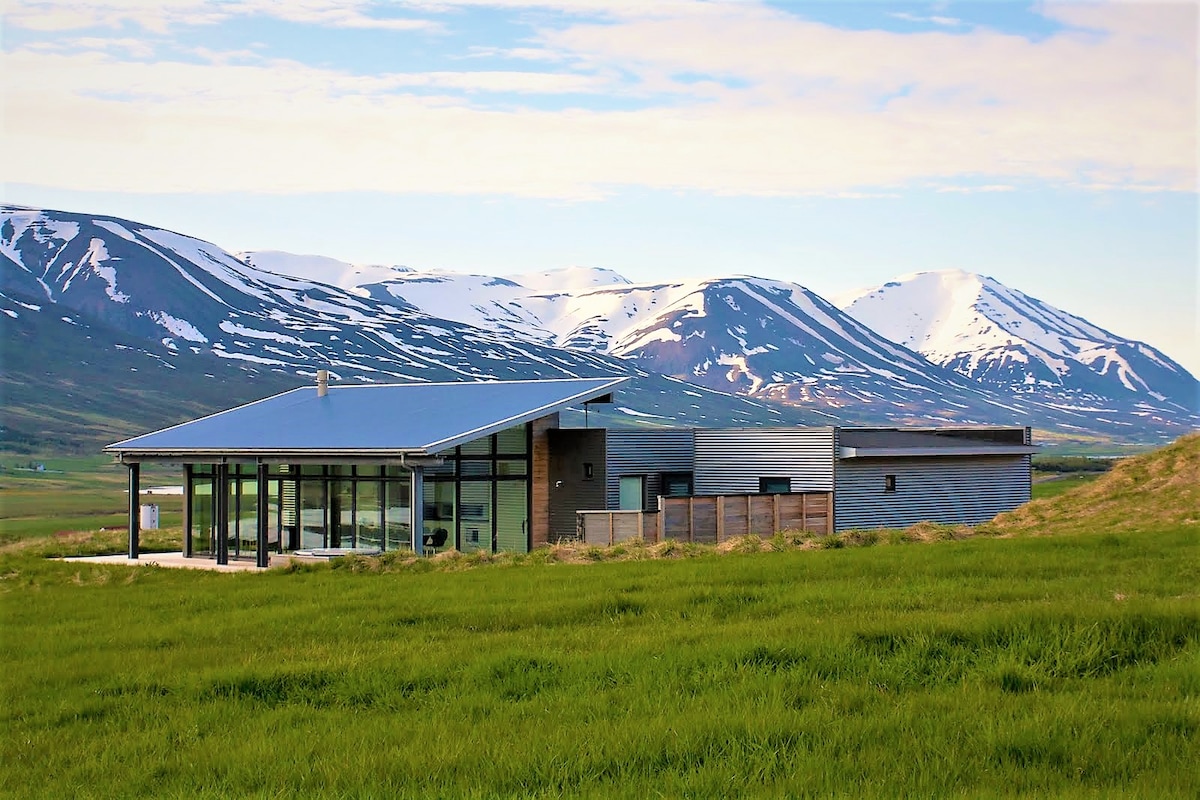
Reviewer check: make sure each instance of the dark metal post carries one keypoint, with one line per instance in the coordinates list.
(263, 556)
(221, 512)
(417, 509)
(135, 510)
(187, 510)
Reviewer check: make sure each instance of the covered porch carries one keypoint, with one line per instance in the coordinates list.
(409, 467)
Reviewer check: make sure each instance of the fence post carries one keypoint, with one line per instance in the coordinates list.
(829, 513)
(775, 511)
(691, 517)
(720, 518)
(749, 517)
(611, 517)
(804, 512)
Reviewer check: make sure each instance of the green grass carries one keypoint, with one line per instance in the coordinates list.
(1053, 487)
(1054, 666)
(867, 666)
(74, 494)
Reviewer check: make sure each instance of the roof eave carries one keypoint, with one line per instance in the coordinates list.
(924, 452)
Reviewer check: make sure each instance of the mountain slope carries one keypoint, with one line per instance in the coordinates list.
(112, 327)
(1004, 338)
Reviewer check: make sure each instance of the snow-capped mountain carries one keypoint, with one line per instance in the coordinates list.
(756, 337)
(1002, 337)
(152, 305)
(98, 314)
(741, 334)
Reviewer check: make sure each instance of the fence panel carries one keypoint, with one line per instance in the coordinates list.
(710, 519)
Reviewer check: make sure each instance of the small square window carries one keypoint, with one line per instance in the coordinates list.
(774, 485)
(676, 484)
(889, 484)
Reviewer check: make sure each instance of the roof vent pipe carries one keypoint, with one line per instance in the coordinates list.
(322, 382)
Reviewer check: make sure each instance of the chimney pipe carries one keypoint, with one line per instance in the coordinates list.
(322, 382)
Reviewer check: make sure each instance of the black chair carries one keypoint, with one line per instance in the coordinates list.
(434, 541)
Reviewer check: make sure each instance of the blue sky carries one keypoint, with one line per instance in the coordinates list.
(837, 145)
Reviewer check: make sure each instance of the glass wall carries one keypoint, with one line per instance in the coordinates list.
(476, 499)
(203, 522)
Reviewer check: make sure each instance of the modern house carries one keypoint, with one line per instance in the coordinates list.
(485, 465)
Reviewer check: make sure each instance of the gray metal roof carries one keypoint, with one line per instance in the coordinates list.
(883, 443)
(368, 420)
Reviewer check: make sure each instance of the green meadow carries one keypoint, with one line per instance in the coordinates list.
(1000, 665)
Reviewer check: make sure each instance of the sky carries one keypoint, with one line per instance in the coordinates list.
(1052, 146)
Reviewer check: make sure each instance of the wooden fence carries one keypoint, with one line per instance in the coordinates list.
(711, 519)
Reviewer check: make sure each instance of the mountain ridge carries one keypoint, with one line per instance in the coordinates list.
(717, 351)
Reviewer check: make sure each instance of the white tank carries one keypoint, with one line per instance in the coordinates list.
(149, 518)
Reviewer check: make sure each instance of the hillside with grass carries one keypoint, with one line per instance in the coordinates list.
(1141, 493)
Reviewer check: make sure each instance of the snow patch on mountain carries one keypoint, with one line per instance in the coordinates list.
(987, 331)
(569, 280)
(321, 269)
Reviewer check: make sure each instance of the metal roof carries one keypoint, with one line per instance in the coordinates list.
(370, 420)
(884, 443)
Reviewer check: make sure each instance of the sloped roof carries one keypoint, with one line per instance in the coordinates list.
(368, 420)
(880, 443)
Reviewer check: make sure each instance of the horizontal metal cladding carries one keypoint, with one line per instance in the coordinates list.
(733, 460)
(950, 490)
(645, 452)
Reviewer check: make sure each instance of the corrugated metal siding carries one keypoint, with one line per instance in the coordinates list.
(645, 452)
(731, 460)
(966, 490)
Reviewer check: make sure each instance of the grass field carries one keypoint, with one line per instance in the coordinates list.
(1053, 486)
(74, 494)
(1062, 665)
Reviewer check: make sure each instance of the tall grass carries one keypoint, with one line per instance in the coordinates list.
(1066, 666)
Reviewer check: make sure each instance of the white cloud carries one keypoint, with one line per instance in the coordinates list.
(948, 22)
(725, 99)
(161, 15)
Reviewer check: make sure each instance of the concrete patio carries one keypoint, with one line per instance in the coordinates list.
(178, 561)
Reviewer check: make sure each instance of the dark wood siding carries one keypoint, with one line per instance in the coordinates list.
(571, 489)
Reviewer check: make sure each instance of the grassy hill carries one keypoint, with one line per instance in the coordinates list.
(1145, 492)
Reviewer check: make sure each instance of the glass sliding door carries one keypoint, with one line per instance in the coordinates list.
(440, 513)
(341, 513)
(368, 531)
(203, 521)
(312, 512)
(243, 513)
(512, 525)
(397, 513)
(475, 516)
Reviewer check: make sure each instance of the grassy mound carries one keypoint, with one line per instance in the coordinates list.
(1147, 492)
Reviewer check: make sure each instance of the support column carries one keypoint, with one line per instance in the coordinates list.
(221, 512)
(135, 510)
(417, 508)
(187, 510)
(260, 551)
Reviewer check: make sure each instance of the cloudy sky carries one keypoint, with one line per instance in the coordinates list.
(838, 145)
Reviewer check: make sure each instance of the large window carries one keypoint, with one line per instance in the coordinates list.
(476, 498)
